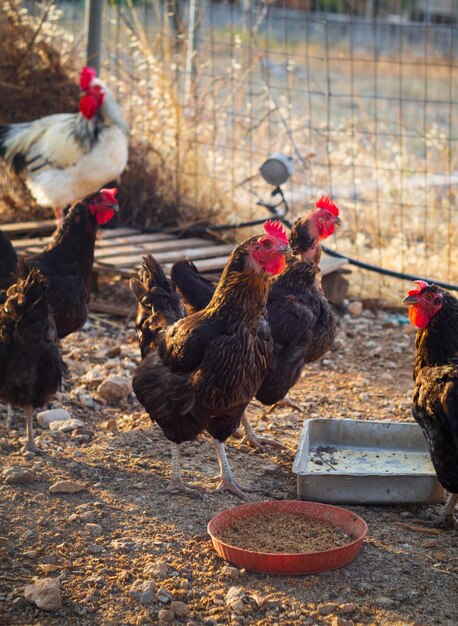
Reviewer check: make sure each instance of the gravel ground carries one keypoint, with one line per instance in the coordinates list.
(119, 551)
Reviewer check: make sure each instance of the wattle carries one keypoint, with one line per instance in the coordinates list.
(418, 317)
(276, 265)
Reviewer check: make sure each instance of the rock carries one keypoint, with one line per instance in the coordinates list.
(45, 418)
(87, 516)
(179, 609)
(340, 621)
(66, 426)
(94, 548)
(66, 486)
(164, 596)
(94, 529)
(6, 544)
(230, 572)
(18, 475)
(158, 568)
(328, 608)
(234, 599)
(355, 308)
(348, 607)
(115, 388)
(271, 469)
(45, 594)
(165, 616)
(143, 591)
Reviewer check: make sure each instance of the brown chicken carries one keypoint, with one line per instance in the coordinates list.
(300, 318)
(434, 312)
(67, 261)
(31, 368)
(199, 373)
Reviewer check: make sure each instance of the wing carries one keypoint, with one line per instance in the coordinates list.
(196, 290)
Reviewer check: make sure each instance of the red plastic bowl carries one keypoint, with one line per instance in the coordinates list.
(284, 563)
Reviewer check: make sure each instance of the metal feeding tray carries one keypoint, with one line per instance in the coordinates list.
(363, 462)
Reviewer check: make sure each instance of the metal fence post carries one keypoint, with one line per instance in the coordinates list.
(94, 38)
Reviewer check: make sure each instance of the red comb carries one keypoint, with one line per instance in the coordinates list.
(86, 77)
(277, 230)
(421, 285)
(111, 193)
(326, 203)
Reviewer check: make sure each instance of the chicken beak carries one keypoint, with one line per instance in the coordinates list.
(337, 221)
(115, 207)
(286, 250)
(410, 300)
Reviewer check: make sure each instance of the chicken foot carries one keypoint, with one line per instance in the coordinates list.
(227, 482)
(286, 402)
(176, 485)
(30, 445)
(446, 518)
(251, 438)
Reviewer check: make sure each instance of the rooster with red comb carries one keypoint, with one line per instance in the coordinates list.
(434, 312)
(67, 156)
(300, 318)
(199, 372)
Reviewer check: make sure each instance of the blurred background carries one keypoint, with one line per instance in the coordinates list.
(362, 93)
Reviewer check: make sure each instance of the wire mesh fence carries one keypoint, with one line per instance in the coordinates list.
(363, 94)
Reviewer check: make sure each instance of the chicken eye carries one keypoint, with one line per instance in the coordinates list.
(321, 220)
(257, 247)
(429, 296)
(267, 244)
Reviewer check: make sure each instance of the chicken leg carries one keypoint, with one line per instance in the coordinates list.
(176, 485)
(227, 482)
(30, 445)
(250, 437)
(9, 416)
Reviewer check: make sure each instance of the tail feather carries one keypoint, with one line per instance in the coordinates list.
(158, 303)
(4, 132)
(196, 290)
(25, 296)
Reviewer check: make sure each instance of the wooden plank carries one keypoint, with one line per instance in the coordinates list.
(329, 264)
(26, 228)
(202, 251)
(122, 231)
(154, 248)
(23, 244)
(137, 238)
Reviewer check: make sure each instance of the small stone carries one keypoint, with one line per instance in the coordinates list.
(234, 599)
(94, 548)
(355, 308)
(66, 426)
(66, 486)
(45, 594)
(94, 529)
(18, 476)
(45, 418)
(165, 616)
(328, 608)
(179, 609)
(6, 544)
(115, 388)
(87, 516)
(230, 572)
(348, 607)
(340, 621)
(30, 554)
(270, 470)
(158, 568)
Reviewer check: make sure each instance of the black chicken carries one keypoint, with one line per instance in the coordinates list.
(300, 318)
(434, 312)
(31, 368)
(200, 372)
(67, 261)
(8, 265)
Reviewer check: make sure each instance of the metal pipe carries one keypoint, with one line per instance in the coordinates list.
(94, 39)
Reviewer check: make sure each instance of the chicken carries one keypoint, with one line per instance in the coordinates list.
(200, 372)
(67, 156)
(8, 265)
(434, 312)
(300, 318)
(31, 368)
(67, 261)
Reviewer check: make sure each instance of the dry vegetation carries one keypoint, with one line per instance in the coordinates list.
(196, 144)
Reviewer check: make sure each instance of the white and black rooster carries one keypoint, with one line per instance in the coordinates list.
(68, 156)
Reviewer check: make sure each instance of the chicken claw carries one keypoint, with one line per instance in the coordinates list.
(230, 485)
(285, 403)
(252, 439)
(177, 486)
(30, 447)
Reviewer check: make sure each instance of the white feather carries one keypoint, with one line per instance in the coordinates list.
(103, 163)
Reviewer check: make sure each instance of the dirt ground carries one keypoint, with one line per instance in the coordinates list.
(121, 536)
